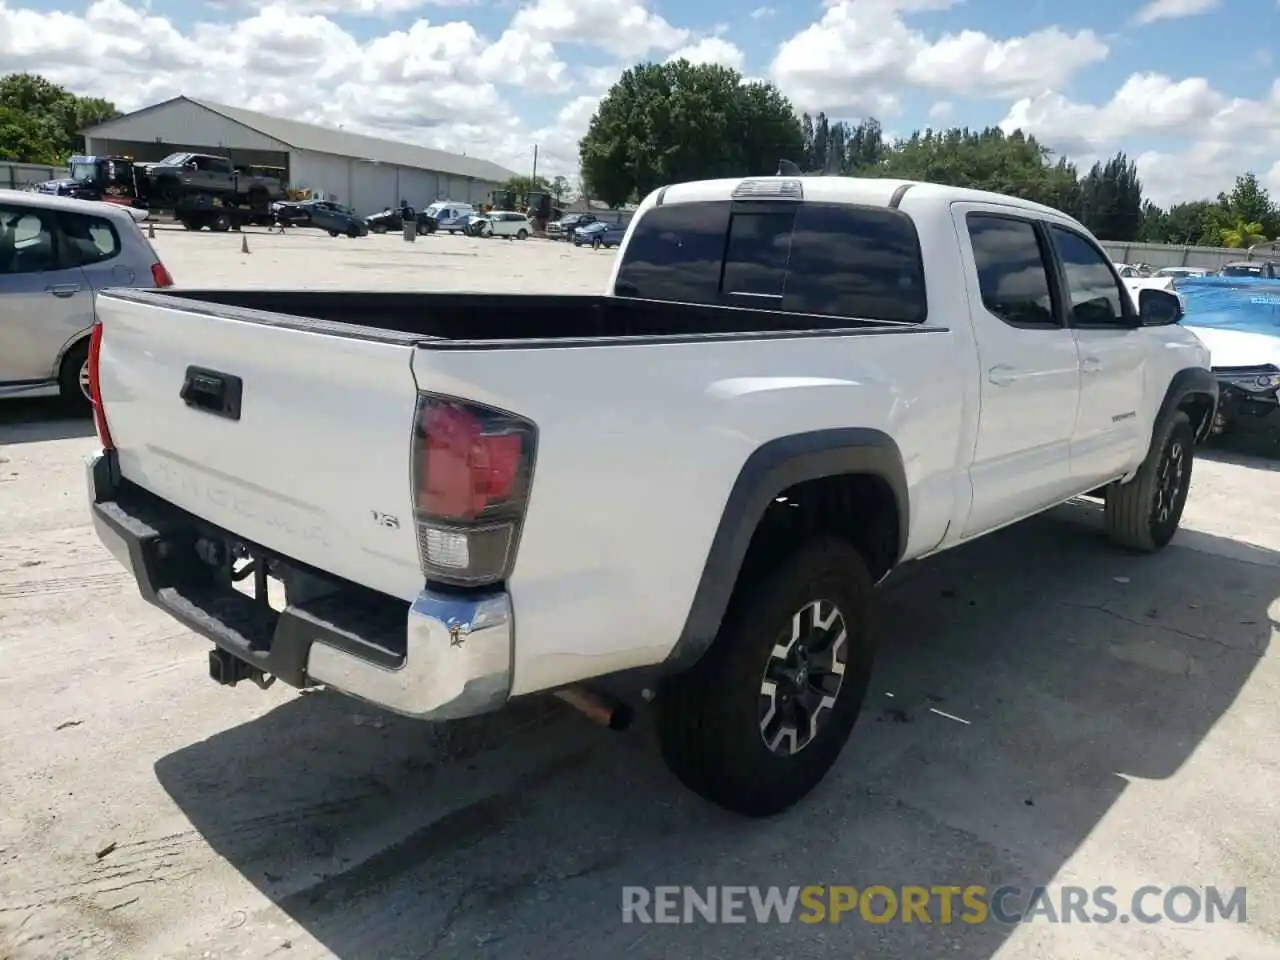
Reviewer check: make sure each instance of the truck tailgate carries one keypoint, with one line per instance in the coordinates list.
(315, 462)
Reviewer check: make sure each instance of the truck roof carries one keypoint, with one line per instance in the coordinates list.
(875, 191)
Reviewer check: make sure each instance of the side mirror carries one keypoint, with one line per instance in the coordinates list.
(1158, 308)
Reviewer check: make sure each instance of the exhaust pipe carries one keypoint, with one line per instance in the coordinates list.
(597, 706)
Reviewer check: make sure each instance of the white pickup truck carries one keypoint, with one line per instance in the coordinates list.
(791, 387)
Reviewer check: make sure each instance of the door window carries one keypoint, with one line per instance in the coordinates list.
(1096, 296)
(1012, 274)
(27, 240)
(88, 240)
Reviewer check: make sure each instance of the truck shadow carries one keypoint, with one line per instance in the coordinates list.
(1023, 679)
(47, 418)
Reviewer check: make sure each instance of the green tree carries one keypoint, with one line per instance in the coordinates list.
(1111, 200)
(988, 159)
(39, 120)
(664, 123)
(560, 189)
(1249, 201)
(522, 185)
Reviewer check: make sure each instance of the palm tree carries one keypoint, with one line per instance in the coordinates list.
(1242, 234)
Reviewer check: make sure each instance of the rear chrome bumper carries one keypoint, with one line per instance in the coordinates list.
(443, 657)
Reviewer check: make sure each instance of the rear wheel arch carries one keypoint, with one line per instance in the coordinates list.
(849, 482)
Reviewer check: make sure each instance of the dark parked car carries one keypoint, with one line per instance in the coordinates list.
(391, 220)
(600, 234)
(320, 214)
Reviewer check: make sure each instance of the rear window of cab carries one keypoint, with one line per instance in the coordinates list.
(837, 260)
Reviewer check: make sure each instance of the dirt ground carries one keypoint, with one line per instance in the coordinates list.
(1046, 711)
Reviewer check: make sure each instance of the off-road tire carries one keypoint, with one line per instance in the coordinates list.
(69, 389)
(709, 723)
(1133, 510)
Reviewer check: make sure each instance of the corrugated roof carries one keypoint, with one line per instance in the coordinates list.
(309, 136)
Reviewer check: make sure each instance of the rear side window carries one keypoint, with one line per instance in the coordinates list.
(1012, 274)
(676, 253)
(856, 262)
(88, 240)
(835, 260)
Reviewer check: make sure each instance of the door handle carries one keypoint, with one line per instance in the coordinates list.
(64, 289)
(1002, 375)
(212, 391)
(1090, 365)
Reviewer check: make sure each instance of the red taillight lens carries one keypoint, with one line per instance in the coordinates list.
(95, 388)
(472, 469)
(160, 275)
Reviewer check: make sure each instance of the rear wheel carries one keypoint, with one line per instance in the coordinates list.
(73, 378)
(1144, 513)
(333, 233)
(756, 724)
(379, 228)
(522, 234)
(220, 223)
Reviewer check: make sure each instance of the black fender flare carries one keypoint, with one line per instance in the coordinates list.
(772, 468)
(1190, 381)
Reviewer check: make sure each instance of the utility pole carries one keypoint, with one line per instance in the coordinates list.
(534, 179)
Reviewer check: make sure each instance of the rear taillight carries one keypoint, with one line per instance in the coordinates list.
(95, 387)
(160, 274)
(472, 470)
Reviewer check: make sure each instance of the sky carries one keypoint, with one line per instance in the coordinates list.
(1190, 89)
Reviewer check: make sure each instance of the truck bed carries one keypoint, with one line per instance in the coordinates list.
(472, 318)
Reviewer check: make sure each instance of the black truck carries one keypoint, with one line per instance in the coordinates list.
(168, 182)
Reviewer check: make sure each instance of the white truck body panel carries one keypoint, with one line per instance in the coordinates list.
(324, 440)
(639, 446)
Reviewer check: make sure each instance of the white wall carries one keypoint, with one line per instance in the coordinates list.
(368, 187)
(328, 175)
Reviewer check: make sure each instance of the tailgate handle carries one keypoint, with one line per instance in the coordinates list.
(212, 392)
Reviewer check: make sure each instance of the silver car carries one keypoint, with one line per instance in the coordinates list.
(55, 254)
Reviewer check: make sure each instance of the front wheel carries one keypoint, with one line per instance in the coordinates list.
(522, 234)
(756, 724)
(333, 233)
(1144, 513)
(379, 228)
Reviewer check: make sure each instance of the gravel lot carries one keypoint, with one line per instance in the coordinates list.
(1046, 711)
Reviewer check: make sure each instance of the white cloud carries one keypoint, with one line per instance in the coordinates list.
(711, 50)
(367, 8)
(626, 28)
(759, 13)
(861, 53)
(1174, 9)
(972, 62)
(1213, 136)
(941, 110)
(439, 84)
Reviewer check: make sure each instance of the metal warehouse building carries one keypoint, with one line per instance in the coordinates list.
(365, 173)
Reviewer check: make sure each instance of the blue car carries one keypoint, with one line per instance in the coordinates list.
(600, 235)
